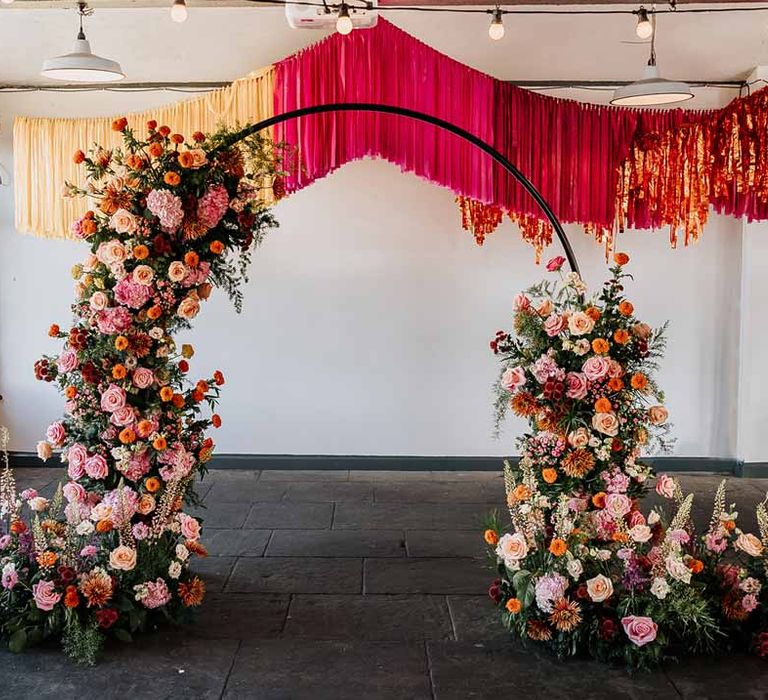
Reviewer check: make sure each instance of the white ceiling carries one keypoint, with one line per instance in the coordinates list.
(225, 43)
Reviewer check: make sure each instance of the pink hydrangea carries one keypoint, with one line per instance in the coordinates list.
(177, 462)
(167, 208)
(123, 502)
(212, 205)
(131, 293)
(544, 368)
(138, 465)
(113, 320)
(549, 589)
(197, 275)
(153, 594)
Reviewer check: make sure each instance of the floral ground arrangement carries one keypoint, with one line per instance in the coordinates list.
(109, 554)
(583, 571)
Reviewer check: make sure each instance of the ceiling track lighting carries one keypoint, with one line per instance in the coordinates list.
(652, 89)
(82, 65)
(179, 11)
(344, 21)
(644, 28)
(496, 30)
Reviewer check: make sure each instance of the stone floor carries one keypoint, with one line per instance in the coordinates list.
(357, 585)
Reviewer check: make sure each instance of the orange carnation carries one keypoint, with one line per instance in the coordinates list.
(70, 392)
(696, 566)
(140, 252)
(154, 312)
(152, 484)
(47, 558)
(54, 330)
(600, 346)
(603, 405)
(191, 258)
(615, 384)
(136, 162)
(598, 500)
(18, 526)
(621, 258)
(217, 247)
(593, 312)
(197, 396)
(198, 136)
(119, 124)
(144, 428)
(79, 157)
(119, 372)
(172, 178)
(639, 381)
(104, 526)
(156, 149)
(178, 401)
(218, 377)
(177, 138)
(151, 125)
(88, 226)
(202, 385)
(549, 475)
(558, 547)
(491, 537)
(621, 336)
(166, 393)
(216, 420)
(127, 436)
(626, 308)
(71, 599)
(513, 606)
(186, 159)
(121, 342)
(521, 492)
(159, 443)
(164, 130)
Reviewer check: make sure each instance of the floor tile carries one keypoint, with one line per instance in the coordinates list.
(336, 543)
(389, 476)
(290, 515)
(435, 576)
(305, 475)
(368, 617)
(437, 492)
(462, 670)
(221, 514)
(235, 542)
(426, 516)
(239, 616)
(283, 670)
(296, 575)
(246, 491)
(213, 570)
(328, 491)
(494, 476)
(476, 618)
(445, 543)
(735, 677)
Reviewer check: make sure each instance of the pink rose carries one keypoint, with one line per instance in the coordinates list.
(123, 221)
(96, 467)
(513, 378)
(122, 416)
(44, 450)
(56, 434)
(640, 630)
(618, 505)
(576, 385)
(521, 302)
(555, 264)
(190, 527)
(113, 398)
(76, 456)
(553, 324)
(665, 486)
(45, 596)
(73, 492)
(67, 361)
(143, 377)
(595, 368)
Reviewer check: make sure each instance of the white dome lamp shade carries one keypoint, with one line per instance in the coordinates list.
(652, 89)
(82, 65)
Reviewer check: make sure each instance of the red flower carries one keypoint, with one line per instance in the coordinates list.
(106, 617)
(218, 377)
(198, 136)
(556, 263)
(151, 125)
(184, 366)
(119, 124)
(608, 628)
(494, 592)
(164, 131)
(161, 245)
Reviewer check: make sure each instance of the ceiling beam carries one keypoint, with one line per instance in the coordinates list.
(138, 4)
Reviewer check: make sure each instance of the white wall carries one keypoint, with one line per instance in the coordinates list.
(368, 315)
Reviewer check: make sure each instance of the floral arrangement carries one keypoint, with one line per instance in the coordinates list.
(109, 554)
(583, 570)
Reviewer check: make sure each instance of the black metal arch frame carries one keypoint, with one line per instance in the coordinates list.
(435, 121)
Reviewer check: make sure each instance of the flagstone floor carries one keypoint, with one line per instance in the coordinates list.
(357, 585)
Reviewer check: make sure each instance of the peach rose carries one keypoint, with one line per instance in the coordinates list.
(512, 548)
(580, 324)
(665, 486)
(122, 558)
(146, 504)
(44, 450)
(189, 307)
(143, 274)
(599, 588)
(177, 271)
(640, 533)
(642, 331)
(198, 157)
(99, 301)
(606, 423)
(513, 378)
(579, 437)
(111, 252)
(123, 221)
(545, 308)
(658, 415)
(749, 544)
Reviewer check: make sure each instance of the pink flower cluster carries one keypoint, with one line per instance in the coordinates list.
(213, 205)
(167, 208)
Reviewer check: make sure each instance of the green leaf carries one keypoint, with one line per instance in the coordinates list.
(122, 634)
(18, 641)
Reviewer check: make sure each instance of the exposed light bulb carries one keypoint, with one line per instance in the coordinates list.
(644, 28)
(344, 22)
(496, 30)
(179, 11)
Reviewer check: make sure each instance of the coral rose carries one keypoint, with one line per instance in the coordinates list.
(749, 544)
(626, 308)
(189, 307)
(190, 527)
(606, 423)
(578, 438)
(123, 558)
(143, 274)
(123, 221)
(177, 271)
(658, 415)
(512, 548)
(580, 323)
(639, 630)
(666, 486)
(513, 378)
(600, 588)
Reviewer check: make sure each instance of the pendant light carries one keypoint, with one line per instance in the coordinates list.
(82, 65)
(652, 89)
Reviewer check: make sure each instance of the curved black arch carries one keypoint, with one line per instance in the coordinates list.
(429, 119)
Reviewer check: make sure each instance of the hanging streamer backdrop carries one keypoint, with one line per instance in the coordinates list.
(605, 168)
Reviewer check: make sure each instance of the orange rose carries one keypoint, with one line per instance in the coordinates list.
(217, 247)
(146, 504)
(186, 159)
(178, 400)
(140, 252)
(119, 372)
(521, 492)
(603, 405)
(104, 526)
(121, 342)
(598, 500)
(491, 537)
(119, 124)
(166, 393)
(621, 336)
(79, 157)
(593, 312)
(159, 443)
(615, 384)
(127, 436)
(626, 308)
(154, 312)
(558, 547)
(514, 606)
(621, 258)
(639, 381)
(216, 420)
(152, 484)
(549, 475)
(171, 178)
(156, 149)
(600, 346)
(191, 258)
